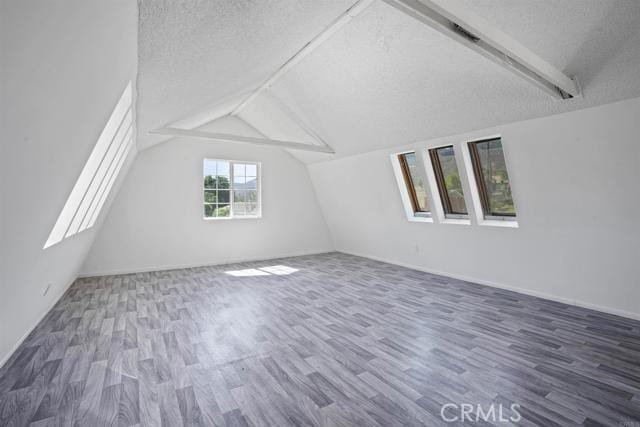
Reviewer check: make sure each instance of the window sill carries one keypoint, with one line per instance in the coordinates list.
(456, 221)
(222, 218)
(507, 223)
(420, 219)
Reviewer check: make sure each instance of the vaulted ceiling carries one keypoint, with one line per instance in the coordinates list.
(384, 79)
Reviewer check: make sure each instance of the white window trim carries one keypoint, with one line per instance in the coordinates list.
(481, 219)
(258, 183)
(404, 194)
(475, 214)
(434, 191)
(93, 186)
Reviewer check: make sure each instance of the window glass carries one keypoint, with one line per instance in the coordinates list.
(90, 192)
(448, 178)
(414, 182)
(490, 170)
(230, 189)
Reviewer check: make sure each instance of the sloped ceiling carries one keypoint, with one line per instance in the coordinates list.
(384, 79)
(193, 54)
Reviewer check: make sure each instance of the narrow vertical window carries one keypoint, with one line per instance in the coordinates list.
(492, 179)
(414, 183)
(447, 176)
(245, 189)
(231, 189)
(217, 189)
(85, 202)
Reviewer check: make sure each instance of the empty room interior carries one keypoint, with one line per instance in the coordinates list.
(320, 213)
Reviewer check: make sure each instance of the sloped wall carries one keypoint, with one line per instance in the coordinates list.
(64, 66)
(156, 221)
(575, 183)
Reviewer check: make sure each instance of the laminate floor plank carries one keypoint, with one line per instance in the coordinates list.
(319, 340)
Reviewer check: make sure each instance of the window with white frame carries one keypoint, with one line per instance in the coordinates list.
(231, 189)
(84, 204)
(414, 184)
(447, 176)
(492, 179)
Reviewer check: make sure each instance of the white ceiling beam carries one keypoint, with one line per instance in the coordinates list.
(213, 136)
(296, 119)
(220, 109)
(338, 23)
(472, 31)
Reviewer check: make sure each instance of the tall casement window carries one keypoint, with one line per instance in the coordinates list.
(448, 179)
(415, 184)
(490, 171)
(231, 189)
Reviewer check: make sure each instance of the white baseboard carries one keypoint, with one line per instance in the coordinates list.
(149, 269)
(54, 301)
(543, 295)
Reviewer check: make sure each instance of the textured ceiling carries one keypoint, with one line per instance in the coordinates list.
(196, 53)
(382, 80)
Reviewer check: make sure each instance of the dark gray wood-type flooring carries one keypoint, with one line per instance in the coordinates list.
(342, 340)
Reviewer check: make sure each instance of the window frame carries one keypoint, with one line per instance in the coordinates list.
(441, 185)
(101, 170)
(232, 190)
(410, 186)
(481, 185)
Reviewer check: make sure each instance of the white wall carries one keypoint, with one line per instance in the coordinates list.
(64, 66)
(156, 221)
(576, 183)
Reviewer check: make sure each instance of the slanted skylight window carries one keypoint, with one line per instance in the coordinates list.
(448, 180)
(99, 173)
(414, 184)
(492, 179)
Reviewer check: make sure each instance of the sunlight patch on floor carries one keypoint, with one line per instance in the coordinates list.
(278, 270)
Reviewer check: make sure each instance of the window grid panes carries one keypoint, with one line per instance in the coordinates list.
(231, 189)
(492, 179)
(414, 183)
(447, 176)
